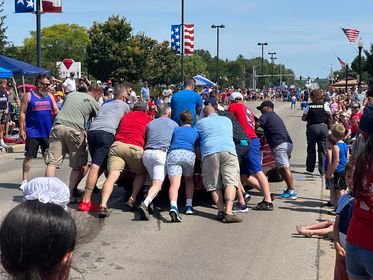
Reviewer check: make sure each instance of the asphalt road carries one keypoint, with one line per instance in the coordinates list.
(264, 246)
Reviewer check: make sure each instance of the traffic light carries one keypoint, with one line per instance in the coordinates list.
(300, 77)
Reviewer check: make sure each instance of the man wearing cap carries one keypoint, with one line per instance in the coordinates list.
(109, 85)
(186, 100)
(252, 165)
(145, 92)
(127, 150)
(69, 84)
(280, 142)
(220, 166)
(68, 135)
(355, 119)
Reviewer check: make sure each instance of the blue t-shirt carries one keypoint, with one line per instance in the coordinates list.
(344, 211)
(343, 151)
(274, 129)
(39, 116)
(145, 92)
(216, 135)
(184, 138)
(185, 100)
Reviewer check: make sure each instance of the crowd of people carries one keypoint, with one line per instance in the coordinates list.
(170, 135)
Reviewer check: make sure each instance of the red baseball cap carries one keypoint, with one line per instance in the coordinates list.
(109, 82)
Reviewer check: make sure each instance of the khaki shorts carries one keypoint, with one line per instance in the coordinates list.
(63, 140)
(220, 169)
(122, 154)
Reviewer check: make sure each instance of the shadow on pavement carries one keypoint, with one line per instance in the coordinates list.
(9, 186)
(306, 210)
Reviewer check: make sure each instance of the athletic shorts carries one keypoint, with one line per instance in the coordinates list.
(252, 164)
(359, 262)
(155, 163)
(180, 162)
(99, 143)
(220, 169)
(33, 144)
(282, 153)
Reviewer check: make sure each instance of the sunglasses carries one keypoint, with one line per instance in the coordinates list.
(45, 84)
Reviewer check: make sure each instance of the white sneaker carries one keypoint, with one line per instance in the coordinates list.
(23, 184)
(5, 146)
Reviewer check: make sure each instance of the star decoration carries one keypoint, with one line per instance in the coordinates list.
(21, 2)
(30, 3)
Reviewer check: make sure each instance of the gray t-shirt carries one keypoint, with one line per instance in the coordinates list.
(109, 116)
(159, 133)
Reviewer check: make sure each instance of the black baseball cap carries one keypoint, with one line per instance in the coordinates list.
(267, 103)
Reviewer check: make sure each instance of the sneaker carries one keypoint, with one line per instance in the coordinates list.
(238, 208)
(174, 213)
(88, 206)
(289, 195)
(5, 146)
(189, 210)
(103, 213)
(247, 197)
(22, 185)
(130, 204)
(143, 212)
(220, 216)
(264, 205)
(232, 219)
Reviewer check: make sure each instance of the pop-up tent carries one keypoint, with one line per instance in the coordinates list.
(202, 81)
(20, 68)
(4, 74)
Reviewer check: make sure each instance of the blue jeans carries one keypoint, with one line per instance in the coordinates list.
(359, 262)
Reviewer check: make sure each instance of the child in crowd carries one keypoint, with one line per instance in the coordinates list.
(329, 182)
(340, 158)
(343, 217)
(293, 101)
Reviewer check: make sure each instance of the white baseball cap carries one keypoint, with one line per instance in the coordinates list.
(235, 95)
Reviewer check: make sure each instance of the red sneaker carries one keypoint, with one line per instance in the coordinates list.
(88, 206)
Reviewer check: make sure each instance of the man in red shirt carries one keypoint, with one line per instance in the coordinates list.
(252, 165)
(355, 119)
(127, 149)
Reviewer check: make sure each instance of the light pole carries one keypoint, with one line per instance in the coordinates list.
(182, 41)
(217, 49)
(262, 72)
(360, 47)
(272, 54)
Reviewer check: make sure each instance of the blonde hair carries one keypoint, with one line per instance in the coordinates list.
(338, 131)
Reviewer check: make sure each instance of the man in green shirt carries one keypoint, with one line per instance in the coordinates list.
(68, 134)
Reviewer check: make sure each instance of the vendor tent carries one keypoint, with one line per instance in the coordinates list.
(20, 68)
(202, 81)
(5, 73)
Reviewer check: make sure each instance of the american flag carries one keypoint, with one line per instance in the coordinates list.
(351, 34)
(188, 38)
(343, 64)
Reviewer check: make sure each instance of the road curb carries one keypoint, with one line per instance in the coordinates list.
(18, 148)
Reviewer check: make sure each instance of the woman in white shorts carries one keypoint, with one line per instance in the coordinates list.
(180, 161)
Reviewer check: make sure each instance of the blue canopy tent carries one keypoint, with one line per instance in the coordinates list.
(202, 81)
(20, 68)
(4, 74)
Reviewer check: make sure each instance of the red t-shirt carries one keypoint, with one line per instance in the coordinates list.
(245, 117)
(360, 230)
(132, 127)
(354, 120)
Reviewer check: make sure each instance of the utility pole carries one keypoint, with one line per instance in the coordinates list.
(262, 73)
(272, 54)
(38, 33)
(182, 41)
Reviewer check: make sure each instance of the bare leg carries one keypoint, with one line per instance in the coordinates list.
(321, 225)
(230, 194)
(239, 194)
(138, 183)
(50, 171)
(264, 186)
(26, 166)
(107, 188)
(153, 191)
(288, 177)
(189, 187)
(322, 231)
(173, 192)
(94, 173)
(251, 181)
(75, 177)
(217, 197)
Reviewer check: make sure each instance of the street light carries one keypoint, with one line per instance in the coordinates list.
(217, 49)
(272, 54)
(262, 79)
(360, 45)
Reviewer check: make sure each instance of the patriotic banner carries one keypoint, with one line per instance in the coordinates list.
(24, 6)
(52, 6)
(351, 34)
(188, 38)
(343, 64)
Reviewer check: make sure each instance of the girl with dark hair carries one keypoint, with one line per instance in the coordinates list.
(359, 258)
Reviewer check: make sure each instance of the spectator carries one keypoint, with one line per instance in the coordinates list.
(69, 84)
(109, 85)
(219, 162)
(167, 94)
(35, 122)
(186, 100)
(4, 111)
(145, 92)
(158, 139)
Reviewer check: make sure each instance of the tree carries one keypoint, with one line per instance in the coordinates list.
(3, 28)
(108, 50)
(58, 42)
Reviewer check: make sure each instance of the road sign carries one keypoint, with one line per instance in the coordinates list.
(67, 66)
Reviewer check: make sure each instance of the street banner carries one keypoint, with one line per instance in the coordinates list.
(52, 6)
(176, 38)
(24, 6)
(188, 38)
(67, 66)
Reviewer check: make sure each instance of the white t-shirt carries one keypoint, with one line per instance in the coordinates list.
(69, 85)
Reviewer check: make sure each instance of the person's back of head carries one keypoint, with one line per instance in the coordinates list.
(189, 83)
(208, 110)
(338, 132)
(186, 118)
(164, 110)
(120, 92)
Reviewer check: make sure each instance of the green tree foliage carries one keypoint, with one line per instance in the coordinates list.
(3, 28)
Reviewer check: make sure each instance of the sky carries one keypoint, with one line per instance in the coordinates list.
(306, 35)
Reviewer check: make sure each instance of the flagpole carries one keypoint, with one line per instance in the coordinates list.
(182, 41)
(38, 32)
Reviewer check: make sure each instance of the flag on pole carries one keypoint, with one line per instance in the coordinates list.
(24, 6)
(188, 38)
(52, 6)
(343, 64)
(351, 34)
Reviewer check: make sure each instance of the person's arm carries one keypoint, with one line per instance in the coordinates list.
(22, 116)
(305, 114)
(199, 104)
(340, 251)
(54, 105)
(335, 161)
